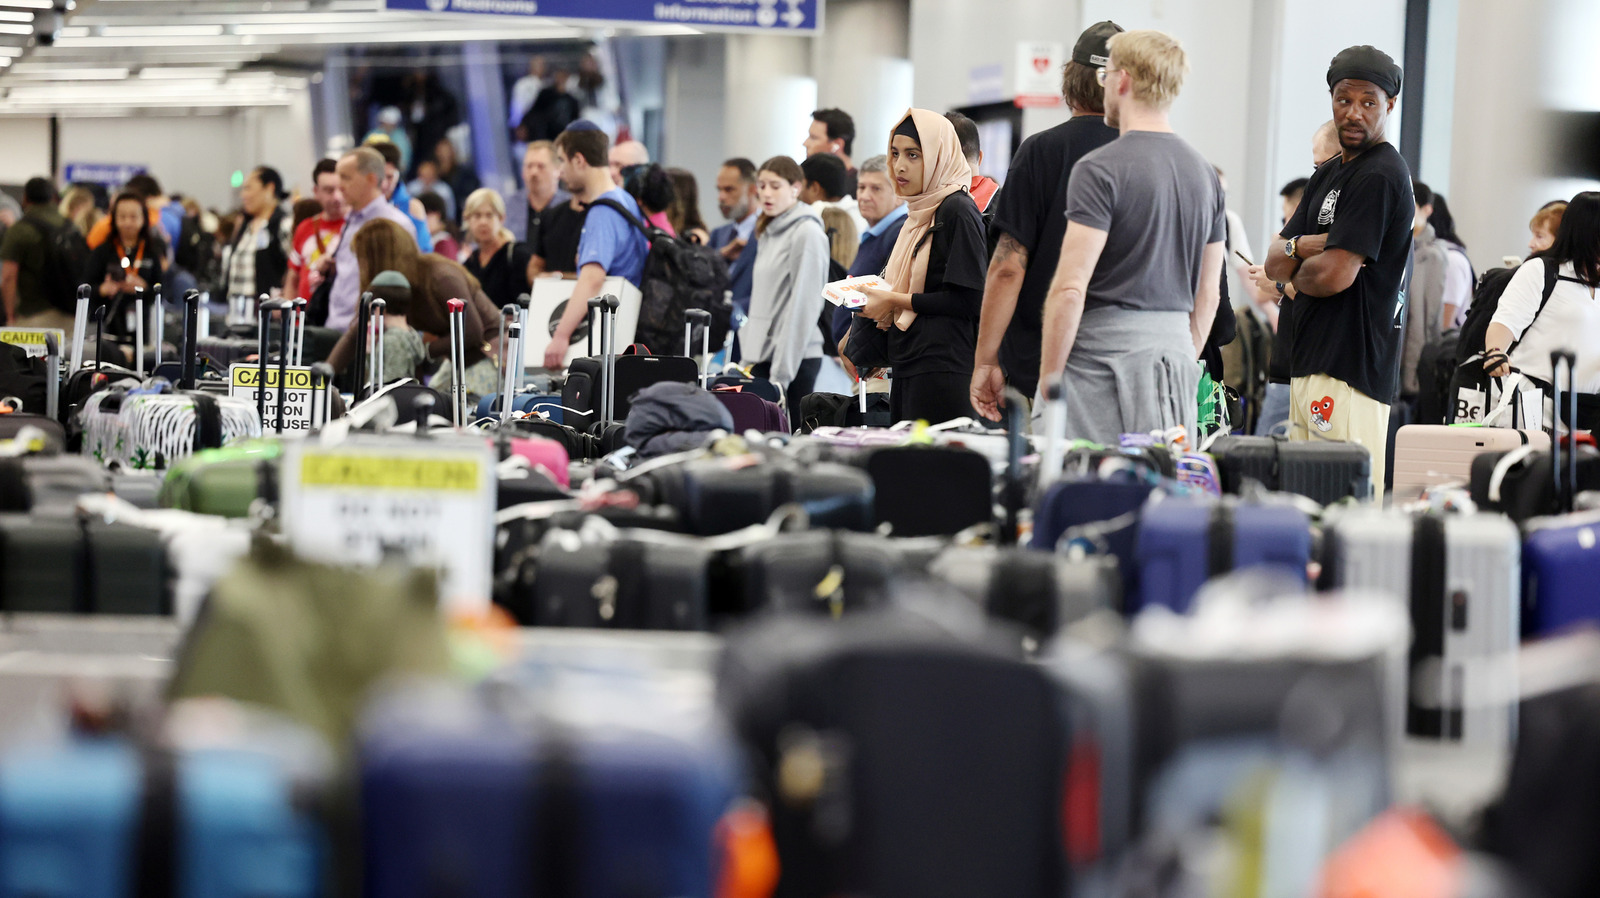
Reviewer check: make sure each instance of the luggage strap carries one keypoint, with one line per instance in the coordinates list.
(1428, 623)
(156, 859)
(1219, 557)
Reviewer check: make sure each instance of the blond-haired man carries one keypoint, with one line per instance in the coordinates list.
(1138, 283)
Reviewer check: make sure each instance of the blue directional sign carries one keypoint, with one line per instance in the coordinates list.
(773, 16)
(111, 174)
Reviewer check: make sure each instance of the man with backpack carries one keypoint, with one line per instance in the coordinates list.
(41, 261)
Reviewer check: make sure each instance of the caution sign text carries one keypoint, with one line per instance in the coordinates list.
(245, 382)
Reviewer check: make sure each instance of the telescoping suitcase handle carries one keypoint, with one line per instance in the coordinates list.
(380, 307)
(80, 327)
(191, 339)
(138, 331)
(158, 320)
(321, 386)
(606, 306)
(458, 351)
(359, 368)
(52, 373)
(510, 350)
(1566, 488)
(702, 319)
(1016, 446)
(264, 311)
(1055, 429)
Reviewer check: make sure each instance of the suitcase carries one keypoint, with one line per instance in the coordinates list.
(56, 481)
(621, 796)
(1560, 567)
(1105, 511)
(932, 761)
(1184, 542)
(522, 404)
(99, 818)
(1459, 577)
(1525, 488)
(225, 482)
(930, 490)
(1321, 470)
(1040, 591)
(715, 497)
(1239, 762)
(125, 569)
(628, 584)
(751, 412)
(747, 384)
(1428, 455)
(816, 571)
(41, 564)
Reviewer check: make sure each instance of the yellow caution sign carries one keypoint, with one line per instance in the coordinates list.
(391, 472)
(248, 376)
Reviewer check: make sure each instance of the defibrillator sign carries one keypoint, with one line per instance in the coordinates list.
(244, 383)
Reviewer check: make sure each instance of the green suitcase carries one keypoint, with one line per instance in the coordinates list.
(225, 481)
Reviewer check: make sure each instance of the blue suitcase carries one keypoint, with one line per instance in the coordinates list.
(446, 809)
(1184, 542)
(524, 403)
(1083, 501)
(458, 800)
(74, 823)
(1560, 564)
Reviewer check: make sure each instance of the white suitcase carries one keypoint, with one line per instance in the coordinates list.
(1459, 575)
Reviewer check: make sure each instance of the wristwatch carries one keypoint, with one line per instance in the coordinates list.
(1288, 248)
(1279, 285)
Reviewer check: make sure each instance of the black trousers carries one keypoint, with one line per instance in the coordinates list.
(934, 398)
(805, 380)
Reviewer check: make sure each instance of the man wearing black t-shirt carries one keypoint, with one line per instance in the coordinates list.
(1347, 252)
(1030, 212)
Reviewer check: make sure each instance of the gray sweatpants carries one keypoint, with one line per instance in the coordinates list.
(1129, 372)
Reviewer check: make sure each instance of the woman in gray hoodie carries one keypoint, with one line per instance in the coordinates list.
(781, 339)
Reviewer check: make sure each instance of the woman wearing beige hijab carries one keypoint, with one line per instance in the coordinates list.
(929, 312)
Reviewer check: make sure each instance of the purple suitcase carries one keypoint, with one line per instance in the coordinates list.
(1560, 564)
(1183, 543)
(751, 412)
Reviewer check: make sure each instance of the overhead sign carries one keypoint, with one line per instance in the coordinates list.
(1038, 72)
(32, 339)
(428, 503)
(111, 174)
(242, 384)
(791, 16)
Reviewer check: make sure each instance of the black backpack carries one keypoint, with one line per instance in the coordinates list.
(1486, 301)
(678, 276)
(66, 258)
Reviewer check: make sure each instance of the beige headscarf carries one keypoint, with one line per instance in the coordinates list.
(944, 171)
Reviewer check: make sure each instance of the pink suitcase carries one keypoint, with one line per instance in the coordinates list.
(548, 455)
(1427, 455)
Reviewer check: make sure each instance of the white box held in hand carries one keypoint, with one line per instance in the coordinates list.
(847, 292)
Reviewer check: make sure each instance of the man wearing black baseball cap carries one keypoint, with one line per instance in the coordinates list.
(1347, 251)
(1030, 212)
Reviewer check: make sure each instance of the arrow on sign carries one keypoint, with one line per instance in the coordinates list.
(794, 18)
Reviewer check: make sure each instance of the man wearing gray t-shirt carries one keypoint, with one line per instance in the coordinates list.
(1138, 283)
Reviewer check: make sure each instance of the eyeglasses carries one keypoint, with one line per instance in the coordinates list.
(1101, 73)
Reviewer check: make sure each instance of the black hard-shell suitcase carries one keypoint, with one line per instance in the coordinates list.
(1040, 591)
(817, 570)
(1322, 470)
(715, 497)
(931, 762)
(930, 490)
(41, 564)
(126, 569)
(626, 584)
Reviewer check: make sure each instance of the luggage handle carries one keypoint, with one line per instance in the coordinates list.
(1564, 493)
(380, 307)
(321, 385)
(52, 364)
(359, 365)
(99, 336)
(191, 339)
(159, 325)
(703, 318)
(512, 345)
(138, 331)
(80, 327)
(264, 308)
(299, 318)
(285, 310)
(524, 300)
(1016, 417)
(1055, 428)
(607, 306)
(458, 350)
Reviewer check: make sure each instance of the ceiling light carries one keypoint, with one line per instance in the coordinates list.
(11, 15)
(29, 4)
(180, 72)
(40, 72)
(111, 31)
(15, 29)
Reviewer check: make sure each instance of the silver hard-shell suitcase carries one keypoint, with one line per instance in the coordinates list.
(1466, 622)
